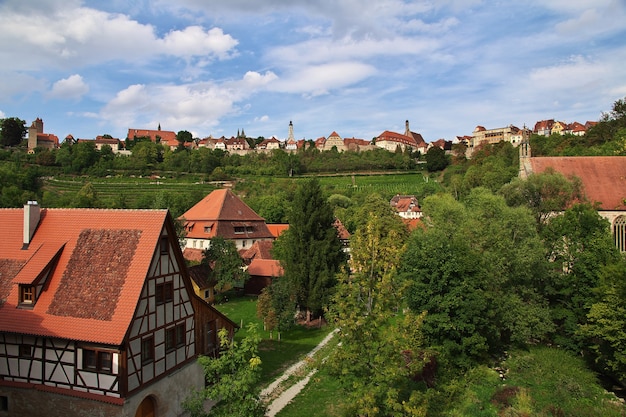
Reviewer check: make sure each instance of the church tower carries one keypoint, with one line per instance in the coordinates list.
(525, 168)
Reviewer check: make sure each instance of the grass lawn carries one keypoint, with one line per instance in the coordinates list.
(322, 394)
(276, 355)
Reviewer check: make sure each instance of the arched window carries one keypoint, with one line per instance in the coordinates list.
(619, 233)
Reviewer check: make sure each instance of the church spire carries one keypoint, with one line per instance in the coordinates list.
(290, 138)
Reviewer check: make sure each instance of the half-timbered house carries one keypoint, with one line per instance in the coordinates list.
(98, 314)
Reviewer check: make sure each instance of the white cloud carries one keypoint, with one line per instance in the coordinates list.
(200, 104)
(319, 79)
(2, 115)
(72, 87)
(262, 119)
(195, 41)
(71, 36)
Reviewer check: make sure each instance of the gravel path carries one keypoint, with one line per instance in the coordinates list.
(286, 396)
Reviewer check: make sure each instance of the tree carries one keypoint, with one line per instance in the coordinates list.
(604, 333)
(545, 194)
(310, 250)
(377, 359)
(86, 197)
(436, 159)
(183, 137)
(579, 244)
(12, 131)
(226, 264)
(475, 269)
(231, 379)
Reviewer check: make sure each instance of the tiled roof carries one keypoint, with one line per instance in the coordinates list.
(405, 203)
(201, 275)
(220, 214)
(265, 268)
(261, 249)
(276, 229)
(165, 136)
(396, 137)
(103, 260)
(342, 232)
(603, 177)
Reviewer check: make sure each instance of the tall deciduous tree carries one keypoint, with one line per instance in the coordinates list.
(378, 356)
(544, 193)
(226, 263)
(310, 250)
(579, 244)
(475, 269)
(12, 131)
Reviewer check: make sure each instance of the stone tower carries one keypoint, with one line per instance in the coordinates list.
(524, 154)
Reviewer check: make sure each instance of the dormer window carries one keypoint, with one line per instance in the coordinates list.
(27, 294)
(207, 229)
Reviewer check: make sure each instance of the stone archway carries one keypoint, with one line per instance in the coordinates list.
(147, 408)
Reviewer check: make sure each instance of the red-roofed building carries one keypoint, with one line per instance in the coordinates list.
(98, 314)
(356, 145)
(260, 266)
(334, 141)
(222, 213)
(544, 127)
(406, 206)
(164, 137)
(38, 139)
(392, 140)
(277, 228)
(603, 179)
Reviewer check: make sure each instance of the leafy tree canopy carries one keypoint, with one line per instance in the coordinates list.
(226, 264)
(231, 379)
(12, 131)
(474, 269)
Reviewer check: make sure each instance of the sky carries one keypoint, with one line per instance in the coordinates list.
(357, 67)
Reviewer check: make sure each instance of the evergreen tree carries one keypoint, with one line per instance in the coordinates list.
(310, 250)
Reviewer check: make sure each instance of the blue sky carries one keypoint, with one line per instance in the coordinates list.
(357, 67)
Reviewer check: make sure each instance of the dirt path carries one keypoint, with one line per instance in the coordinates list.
(289, 394)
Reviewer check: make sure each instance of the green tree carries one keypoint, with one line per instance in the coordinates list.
(545, 194)
(604, 333)
(379, 354)
(579, 244)
(86, 197)
(310, 250)
(436, 159)
(231, 379)
(475, 269)
(12, 131)
(227, 265)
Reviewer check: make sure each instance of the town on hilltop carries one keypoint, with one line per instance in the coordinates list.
(242, 144)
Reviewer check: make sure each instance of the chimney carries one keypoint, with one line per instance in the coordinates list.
(32, 215)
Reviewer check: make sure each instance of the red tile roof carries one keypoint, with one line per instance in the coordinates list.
(277, 229)
(261, 249)
(103, 260)
(219, 214)
(265, 268)
(396, 137)
(165, 136)
(603, 177)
